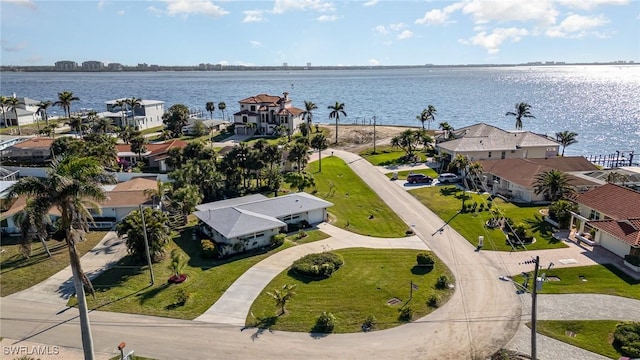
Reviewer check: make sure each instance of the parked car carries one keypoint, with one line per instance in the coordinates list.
(448, 178)
(418, 179)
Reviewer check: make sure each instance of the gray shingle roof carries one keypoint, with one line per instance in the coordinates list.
(483, 137)
(233, 222)
(231, 202)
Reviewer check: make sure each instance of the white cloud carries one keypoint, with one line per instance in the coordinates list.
(494, 40)
(397, 27)
(327, 18)
(255, 44)
(374, 62)
(370, 3)
(590, 4)
(120, 12)
(253, 16)
(407, 34)
(101, 4)
(438, 16)
(10, 47)
(24, 3)
(187, 7)
(381, 29)
(282, 6)
(154, 10)
(576, 26)
(541, 12)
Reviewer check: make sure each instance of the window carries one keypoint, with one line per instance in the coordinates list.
(503, 155)
(244, 119)
(253, 108)
(594, 215)
(489, 156)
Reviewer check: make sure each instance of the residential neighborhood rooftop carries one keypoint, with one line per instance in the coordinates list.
(626, 230)
(616, 201)
(484, 137)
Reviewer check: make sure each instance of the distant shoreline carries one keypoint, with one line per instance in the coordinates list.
(219, 67)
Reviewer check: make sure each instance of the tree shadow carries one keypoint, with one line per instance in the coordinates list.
(263, 324)
(302, 278)
(421, 270)
(448, 191)
(152, 293)
(537, 224)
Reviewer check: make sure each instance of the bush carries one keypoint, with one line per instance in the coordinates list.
(406, 314)
(325, 322)
(443, 282)
(626, 338)
(433, 301)
(369, 324)
(320, 265)
(277, 240)
(301, 235)
(181, 297)
(207, 249)
(424, 259)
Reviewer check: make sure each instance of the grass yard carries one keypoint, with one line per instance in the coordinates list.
(387, 155)
(17, 274)
(402, 175)
(356, 208)
(309, 236)
(600, 279)
(360, 288)
(445, 201)
(125, 288)
(592, 335)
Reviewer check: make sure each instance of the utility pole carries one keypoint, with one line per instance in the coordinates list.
(374, 134)
(534, 301)
(146, 244)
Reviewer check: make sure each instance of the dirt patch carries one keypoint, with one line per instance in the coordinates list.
(355, 138)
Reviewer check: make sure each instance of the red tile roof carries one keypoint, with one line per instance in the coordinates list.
(155, 149)
(265, 99)
(37, 142)
(126, 198)
(615, 201)
(135, 184)
(523, 171)
(627, 230)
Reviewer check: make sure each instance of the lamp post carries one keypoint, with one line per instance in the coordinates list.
(534, 295)
(374, 134)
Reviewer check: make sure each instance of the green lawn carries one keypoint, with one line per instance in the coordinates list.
(125, 288)
(17, 274)
(600, 279)
(387, 155)
(593, 335)
(402, 175)
(356, 208)
(360, 288)
(445, 201)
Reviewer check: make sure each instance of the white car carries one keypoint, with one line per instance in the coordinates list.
(448, 178)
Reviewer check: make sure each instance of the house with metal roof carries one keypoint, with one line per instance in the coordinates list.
(266, 113)
(486, 142)
(147, 115)
(609, 216)
(249, 222)
(26, 109)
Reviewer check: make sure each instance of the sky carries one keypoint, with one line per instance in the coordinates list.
(320, 32)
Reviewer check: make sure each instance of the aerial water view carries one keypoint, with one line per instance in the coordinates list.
(201, 179)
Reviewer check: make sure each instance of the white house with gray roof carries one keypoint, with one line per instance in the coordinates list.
(485, 142)
(26, 109)
(249, 222)
(147, 115)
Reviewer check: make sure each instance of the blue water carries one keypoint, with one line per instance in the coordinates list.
(600, 103)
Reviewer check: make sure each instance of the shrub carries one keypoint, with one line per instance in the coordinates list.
(207, 249)
(369, 324)
(520, 230)
(443, 282)
(301, 235)
(277, 240)
(626, 337)
(325, 322)
(489, 205)
(181, 297)
(425, 259)
(433, 301)
(320, 265)
(406, 314)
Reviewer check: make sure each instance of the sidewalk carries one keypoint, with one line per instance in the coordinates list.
(58, 288)
(233, 306)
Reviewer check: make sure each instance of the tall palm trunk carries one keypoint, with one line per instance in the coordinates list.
(85, 325)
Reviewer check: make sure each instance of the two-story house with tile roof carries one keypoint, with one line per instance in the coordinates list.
(249, 222)
(487, 142)
(610, 216)
(266, 113)
(156, 155)
(147, 115)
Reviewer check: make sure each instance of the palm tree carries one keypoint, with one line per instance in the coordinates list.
(298, 154)
(138, 145)
(460, 163)
(43, 107)
(127, 133)
(162, 188)
(566, 138)
(210, 106)
(32, 223)
(221, 107)
(75, 123)
(475, 171)
(319, 142)
(133, 103)
(336, 110)
(65, 99)
(283, 296)
(71, 186)
(427, 115)
(3, 106)
(13, 105)
(523, 110)
(553, 183)
(158, 233)
(103, 125)
(307, 114)
(250, 126)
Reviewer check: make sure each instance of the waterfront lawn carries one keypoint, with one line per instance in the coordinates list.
(387, 155)
(600, 279)
(362, 287)
(402, 175)
(592, 335)
(356, 207)
(125, 288)
(17, 273)
(445, 201)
